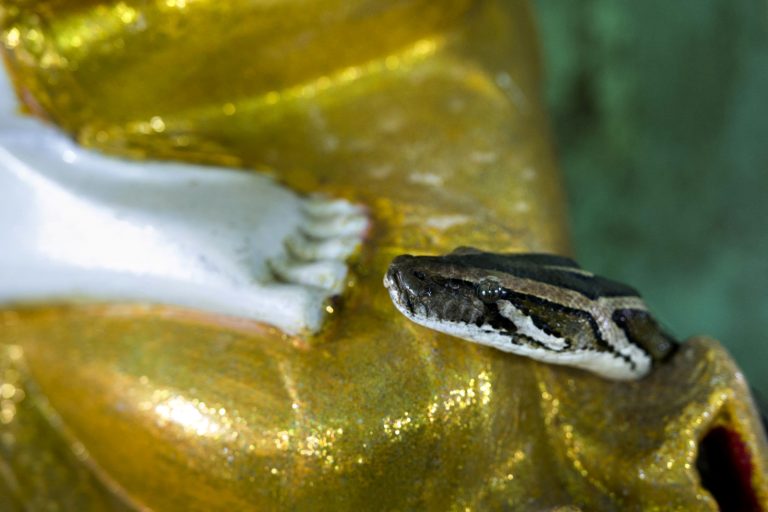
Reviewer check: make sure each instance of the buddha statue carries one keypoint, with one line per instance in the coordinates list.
(199, 202)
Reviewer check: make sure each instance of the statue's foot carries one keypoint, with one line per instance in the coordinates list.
(85, 226)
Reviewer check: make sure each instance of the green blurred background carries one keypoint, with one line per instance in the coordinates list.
(660, 112)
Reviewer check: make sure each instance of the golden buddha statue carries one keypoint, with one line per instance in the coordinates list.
(428, 116)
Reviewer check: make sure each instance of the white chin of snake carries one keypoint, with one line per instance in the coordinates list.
(76, 225)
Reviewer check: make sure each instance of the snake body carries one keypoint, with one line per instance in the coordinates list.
(542, 306)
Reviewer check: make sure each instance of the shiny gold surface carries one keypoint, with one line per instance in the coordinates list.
(436, 102)
(428, 115)
(186, 415)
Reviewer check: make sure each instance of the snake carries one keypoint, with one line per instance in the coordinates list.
(542, 306)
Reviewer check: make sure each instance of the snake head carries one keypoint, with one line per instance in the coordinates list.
(431, 287)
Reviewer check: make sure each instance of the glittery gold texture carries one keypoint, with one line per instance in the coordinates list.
(428, 114)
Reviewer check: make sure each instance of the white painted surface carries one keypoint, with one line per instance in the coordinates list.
(77, 225)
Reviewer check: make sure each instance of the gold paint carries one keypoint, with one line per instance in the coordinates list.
(475, 407)
(229, 109)
(157, 124)
(427, 113)
(12, 38)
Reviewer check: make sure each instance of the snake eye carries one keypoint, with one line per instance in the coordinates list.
(489, 290)
(419, 275)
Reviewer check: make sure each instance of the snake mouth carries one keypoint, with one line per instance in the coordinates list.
(402, 294)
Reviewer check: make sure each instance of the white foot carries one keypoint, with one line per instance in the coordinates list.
(77, 225)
